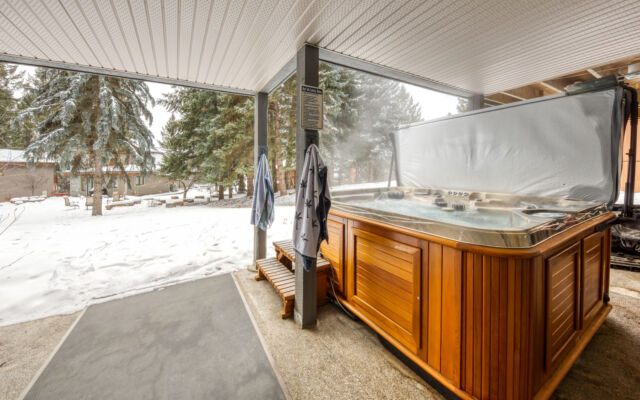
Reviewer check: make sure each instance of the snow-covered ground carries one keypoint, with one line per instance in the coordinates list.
(56, 260)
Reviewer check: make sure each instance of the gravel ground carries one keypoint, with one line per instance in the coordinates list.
(609, 368)
(25, 347)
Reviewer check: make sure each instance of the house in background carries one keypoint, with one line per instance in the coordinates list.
(115, 180)
(17, 180)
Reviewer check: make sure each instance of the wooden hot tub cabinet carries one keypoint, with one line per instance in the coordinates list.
(488, 323)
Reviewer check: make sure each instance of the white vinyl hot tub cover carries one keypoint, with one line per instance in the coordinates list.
(562, 146)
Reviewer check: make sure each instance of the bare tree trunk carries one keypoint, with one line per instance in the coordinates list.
(96, 209)
(230, 191)
(250, 186)
(282, 185)
(274, 168)
(242, 187)
(220, 192)
(185, 188)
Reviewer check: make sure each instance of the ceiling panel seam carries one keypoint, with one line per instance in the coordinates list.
(244, 41)
(52, 36)
(411, 31)
(441, 26)
(231, 39)
(66, 33)
(354, 10)
(508, 51)
(16, 45)
(122, 34)
(264, 77)
(260, 35)
(400, 24)
(153, 45)
(104, 27)
(34, 33)
(204, 38)
(432, 55)
(218, 34)
(501, 45)
(45, 55)
(135, 30)
(267, 73)
(534, 54)
(364, 34)
(353, 27)
(276, 37)
(193, 28)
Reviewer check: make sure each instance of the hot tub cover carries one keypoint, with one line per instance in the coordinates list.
(560, 146)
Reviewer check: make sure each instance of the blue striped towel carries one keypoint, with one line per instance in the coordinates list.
(262, 209)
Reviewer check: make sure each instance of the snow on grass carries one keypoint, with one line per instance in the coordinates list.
(57, 260)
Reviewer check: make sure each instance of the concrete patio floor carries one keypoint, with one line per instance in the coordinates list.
(188, 341)
(343, 359)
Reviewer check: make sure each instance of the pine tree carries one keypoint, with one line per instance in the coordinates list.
(182, 137)
(282, 133)
(91, 121)
(361, 112)
(11, 81)
(211, 141)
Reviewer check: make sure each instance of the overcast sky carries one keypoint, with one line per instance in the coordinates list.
(433, 104)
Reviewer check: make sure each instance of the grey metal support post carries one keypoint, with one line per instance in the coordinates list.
(476, 102)
(261, 103)
(305, 305)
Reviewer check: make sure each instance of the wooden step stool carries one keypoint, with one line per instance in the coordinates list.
(282, 279)
(279, 271)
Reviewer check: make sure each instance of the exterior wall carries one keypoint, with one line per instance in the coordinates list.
(625, 162)
(74, 186)
(152, 184)
(20, 181)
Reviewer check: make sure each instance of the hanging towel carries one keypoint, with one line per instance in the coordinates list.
(262, 209)
(312, 206)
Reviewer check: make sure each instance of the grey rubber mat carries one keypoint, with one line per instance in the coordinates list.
(189, 341)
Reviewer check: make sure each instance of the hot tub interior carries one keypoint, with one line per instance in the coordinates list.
(474, 217)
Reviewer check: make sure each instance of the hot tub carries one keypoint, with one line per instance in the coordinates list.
(494, 295)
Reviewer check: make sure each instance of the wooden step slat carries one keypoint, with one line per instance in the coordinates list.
(281, 278)
(285, 247)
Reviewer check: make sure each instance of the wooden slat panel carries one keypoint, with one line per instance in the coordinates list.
(377, 276)
(486, 325)
(333, 251)
(562, 302)
(467, 356)
(495, 329)
(477, 324)
(517, 321)
(387, 284)
(435, 305)
(511, 303)
(371, 266)
(592, 274)
(452, 309)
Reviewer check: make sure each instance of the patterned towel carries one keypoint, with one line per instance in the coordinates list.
(313, 201)
(262, 209)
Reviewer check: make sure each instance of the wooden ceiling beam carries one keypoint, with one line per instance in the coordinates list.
(500, 98)
(550, 87)
(594, 73)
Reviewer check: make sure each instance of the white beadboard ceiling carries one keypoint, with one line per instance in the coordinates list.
(481, 46)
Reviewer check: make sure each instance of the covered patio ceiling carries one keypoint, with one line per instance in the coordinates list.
(241, 45)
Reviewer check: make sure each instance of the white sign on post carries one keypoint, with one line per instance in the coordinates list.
(312, 107)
